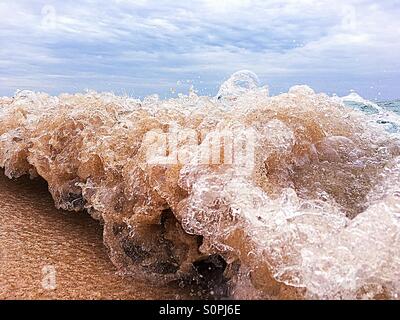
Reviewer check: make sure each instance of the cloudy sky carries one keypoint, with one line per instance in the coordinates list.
(139, 47)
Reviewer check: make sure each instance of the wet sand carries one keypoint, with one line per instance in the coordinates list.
(34, 235)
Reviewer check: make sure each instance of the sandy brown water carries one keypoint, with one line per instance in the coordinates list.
(243, 195)
(33, 235)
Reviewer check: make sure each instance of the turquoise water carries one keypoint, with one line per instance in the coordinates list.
(366, 108)
(388, 120)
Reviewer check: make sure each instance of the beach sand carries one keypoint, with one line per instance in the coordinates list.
(37, 239)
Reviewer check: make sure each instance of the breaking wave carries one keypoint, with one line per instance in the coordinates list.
(310, 210)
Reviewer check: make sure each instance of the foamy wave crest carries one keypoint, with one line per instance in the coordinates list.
(288, 196)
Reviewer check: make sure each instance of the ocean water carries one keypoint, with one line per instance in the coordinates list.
(369, 107)
(255, 196)
(393, 105)
(35, 238)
